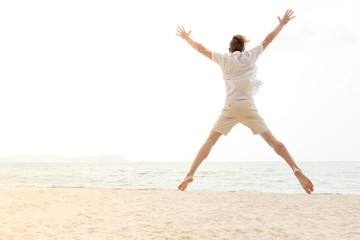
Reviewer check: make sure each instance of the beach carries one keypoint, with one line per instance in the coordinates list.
(81, 213)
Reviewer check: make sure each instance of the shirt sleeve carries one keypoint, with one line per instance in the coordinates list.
(218, 58)
(255, 52)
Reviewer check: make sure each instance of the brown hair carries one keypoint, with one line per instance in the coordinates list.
(238, 43)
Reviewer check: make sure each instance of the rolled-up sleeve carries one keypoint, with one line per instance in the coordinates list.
(217, 58)
(255, 52)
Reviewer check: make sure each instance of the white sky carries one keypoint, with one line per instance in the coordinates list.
(111, 77)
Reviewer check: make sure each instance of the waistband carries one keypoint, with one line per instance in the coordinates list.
(238, 100)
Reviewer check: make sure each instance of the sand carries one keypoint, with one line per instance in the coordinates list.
(76, 213)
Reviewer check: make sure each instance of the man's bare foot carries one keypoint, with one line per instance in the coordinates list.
(304, 181)
(185, 183)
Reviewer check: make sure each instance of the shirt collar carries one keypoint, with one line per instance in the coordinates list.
(236, 53)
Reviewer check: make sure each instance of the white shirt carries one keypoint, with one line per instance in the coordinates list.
(239, 72)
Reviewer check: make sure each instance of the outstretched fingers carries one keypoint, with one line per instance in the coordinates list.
(179, 29)
(182, 32)
(290, 13)
(287, 16)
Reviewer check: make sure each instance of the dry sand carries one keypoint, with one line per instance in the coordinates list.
(75, 213)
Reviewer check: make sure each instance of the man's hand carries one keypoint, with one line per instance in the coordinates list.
(183, 33)
(287, 17)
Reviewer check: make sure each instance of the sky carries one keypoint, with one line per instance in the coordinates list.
(82, 78)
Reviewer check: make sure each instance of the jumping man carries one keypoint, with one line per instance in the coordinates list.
(239, 72)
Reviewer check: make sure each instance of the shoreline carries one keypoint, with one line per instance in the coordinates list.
(274, 177)
(83, 213)
(176, 190)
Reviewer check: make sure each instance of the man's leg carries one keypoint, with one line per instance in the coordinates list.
(202, 154)
(281, 150)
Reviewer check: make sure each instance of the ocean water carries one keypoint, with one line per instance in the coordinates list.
(276, 176)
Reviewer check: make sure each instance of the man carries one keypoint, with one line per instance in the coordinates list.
(239, 72)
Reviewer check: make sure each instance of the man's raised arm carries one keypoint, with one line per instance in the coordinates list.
(197, 46)
(282, 22)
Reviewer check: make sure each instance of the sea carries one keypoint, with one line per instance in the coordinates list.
(335, 177)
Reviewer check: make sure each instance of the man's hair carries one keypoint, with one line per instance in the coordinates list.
(238, 43)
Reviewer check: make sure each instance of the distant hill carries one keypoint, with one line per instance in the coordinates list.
(52, 158)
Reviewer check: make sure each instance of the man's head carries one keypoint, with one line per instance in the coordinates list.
(238, 43)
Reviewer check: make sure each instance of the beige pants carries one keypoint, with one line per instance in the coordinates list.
(240, 111)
